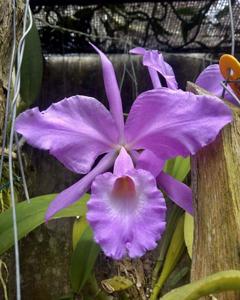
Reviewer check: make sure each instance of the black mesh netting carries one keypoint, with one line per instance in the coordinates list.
(188, 26)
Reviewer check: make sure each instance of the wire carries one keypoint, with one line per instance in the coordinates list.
(232, 52)
(230, 92)
(27, 12)
(232, 27)
(22, 168)
(4, 136)
(15, 100)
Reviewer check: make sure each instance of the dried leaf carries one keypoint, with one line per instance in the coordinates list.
(116, 284)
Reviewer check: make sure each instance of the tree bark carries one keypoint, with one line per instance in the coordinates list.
(216, 194)
(6, 42)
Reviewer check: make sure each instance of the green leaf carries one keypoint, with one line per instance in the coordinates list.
(174, 279)
(219, 282)
(79, 226)
(188, 232)
(32, 68)
(83, 260)
(172, 219)
(116, 284)
(175, 251)
(30, 215)
(178, 167)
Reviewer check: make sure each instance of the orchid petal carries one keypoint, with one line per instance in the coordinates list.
(112, 90)
(210, 79)
(75, 130)
(77, 190)
(138, 50)
(148, 161)
(171, 123)
(123, 163)
(154, 78)
(153, 73)
(126, 226)
(177, 191)
(156, 63)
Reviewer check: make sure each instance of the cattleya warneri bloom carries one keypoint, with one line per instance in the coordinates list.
(210, 78)
(156, 64)
(126, 210)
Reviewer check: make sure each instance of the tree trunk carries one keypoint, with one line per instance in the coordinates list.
(216, 194)
(6, 41)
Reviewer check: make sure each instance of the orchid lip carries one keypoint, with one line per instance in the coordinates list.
(126, 211)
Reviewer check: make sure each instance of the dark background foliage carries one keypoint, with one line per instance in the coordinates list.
(186, 26)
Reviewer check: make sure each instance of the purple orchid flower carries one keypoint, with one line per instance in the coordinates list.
(155, 63)
(210, 79)
(126, 210)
